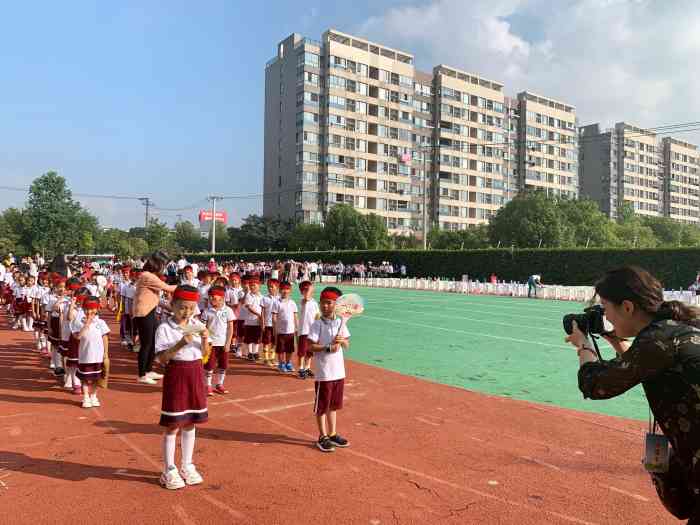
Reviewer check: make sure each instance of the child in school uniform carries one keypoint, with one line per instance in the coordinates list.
(234, 294)
(254, 319)
(284, 321)
(68, 312)
(308, 314)
(38, 297)
(268, 303)
(125, 324)
(180, 344)
(22, 306)
(130, 293)
(91, 333)
(328, 337)
(53, 308)
(203, 288)
(219, 320)
(188, 278)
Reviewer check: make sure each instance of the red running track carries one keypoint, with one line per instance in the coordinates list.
(420, 453)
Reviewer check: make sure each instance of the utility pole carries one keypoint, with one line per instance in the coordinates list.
(213, 199)
(147, 202)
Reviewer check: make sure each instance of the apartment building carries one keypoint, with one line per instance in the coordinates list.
(352, 121)
(547, 146)
(681, 185)
(621, 165)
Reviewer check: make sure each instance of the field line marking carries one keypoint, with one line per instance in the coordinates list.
(464, 332)
(625, 493)
(280, 409)
(429, 477)
(155, 464)
(261, 396)
(182, 514)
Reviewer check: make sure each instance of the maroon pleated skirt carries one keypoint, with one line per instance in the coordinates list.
(72, 351)
(89, 371)
(184, 394)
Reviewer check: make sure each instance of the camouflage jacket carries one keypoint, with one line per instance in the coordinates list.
(665, 359)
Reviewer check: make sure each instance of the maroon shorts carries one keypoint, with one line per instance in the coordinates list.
(55, 331)
(253, 334)
(267, 336)
(285, 344)
(329, 396)
(184, 394)
(239, 332)
(304, 346)
(218, 360)
(89, 371)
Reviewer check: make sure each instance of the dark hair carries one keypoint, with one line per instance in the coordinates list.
(156, 262)
(631, 283)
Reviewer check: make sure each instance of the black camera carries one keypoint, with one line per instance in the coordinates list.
(591, 321)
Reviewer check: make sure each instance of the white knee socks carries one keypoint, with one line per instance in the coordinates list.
(187, 445)
(169, 441)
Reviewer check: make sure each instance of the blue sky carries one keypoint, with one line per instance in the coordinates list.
(165, 99)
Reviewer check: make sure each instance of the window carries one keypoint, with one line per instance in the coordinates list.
(308, 59)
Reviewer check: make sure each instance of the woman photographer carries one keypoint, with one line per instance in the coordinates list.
(148, 288)
(665, 358)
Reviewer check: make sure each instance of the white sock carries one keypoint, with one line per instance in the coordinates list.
(56, 358)
(74, 375)
(254, 348)
(169, 443)
(23, 322)
(222, 376)
(209, 376)
(30, 323)
(187, 445)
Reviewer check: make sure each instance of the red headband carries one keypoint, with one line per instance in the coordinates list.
(188, 267)
(59, 279)
(216, 292)
(304, 285)
(330, 294)
(74, 286)
(91, 305)
(185, 295)
(285, 286)
(273, 282)
(234, 275)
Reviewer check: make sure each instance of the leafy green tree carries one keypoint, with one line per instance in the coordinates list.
(404, 242)
(530, 220)
(469, 239)
(308, 237)
(668, 232)
(345, 228)
(188, 236)
(375, 232)
(585, 224)
(258, 233)
(14, 234)
(55, 222)
(159, 237)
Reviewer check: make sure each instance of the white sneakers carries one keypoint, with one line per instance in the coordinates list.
(147, 380)
(173, 480)
(87, 402)
(154, 375)
(93, 399)
(190, 475)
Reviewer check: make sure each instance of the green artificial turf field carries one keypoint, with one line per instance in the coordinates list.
(498, 345)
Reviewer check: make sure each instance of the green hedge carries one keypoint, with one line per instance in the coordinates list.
(676, 268)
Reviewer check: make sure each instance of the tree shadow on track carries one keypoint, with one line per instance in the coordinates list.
(41, 400)
(216, 434)
(69, 471)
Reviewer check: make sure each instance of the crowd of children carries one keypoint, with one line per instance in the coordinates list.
(210, 316)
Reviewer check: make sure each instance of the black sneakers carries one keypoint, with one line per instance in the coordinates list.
(309, 373)
(325, 444)
(339, 441)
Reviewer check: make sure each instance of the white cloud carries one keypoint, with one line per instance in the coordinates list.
(614, 60)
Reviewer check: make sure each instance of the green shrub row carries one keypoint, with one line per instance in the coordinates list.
(676, 268)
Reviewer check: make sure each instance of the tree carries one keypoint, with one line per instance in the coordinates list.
(470, 239)
(667, 231)
(308, 237)
(14, 234)
(159, 237)
(631, 231)
(258, 233)
(530, 220)
(585, 224)
(345, 228)
(55, 222)
(189, 237)
(374, 232)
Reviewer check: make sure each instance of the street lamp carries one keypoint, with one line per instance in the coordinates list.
(430, 148)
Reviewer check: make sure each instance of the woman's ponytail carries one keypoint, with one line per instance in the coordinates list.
(679, 311)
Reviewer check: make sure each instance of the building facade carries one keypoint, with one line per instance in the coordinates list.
(351, 121)
(681, 186)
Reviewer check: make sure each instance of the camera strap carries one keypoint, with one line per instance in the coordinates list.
(656, 449)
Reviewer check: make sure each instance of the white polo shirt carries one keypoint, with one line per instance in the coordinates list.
(91, 348)
(309, 312)
(231, 298)
(268, 303)
(217, 323)
(169, 333)
(285, 310)
(254, 302)
(328, 366)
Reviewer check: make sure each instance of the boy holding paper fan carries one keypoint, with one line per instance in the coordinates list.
(328, 337)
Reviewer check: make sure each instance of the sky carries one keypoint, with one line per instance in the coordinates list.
(166, 99)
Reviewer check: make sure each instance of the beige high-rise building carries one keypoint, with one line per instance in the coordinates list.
(680, 180)
(547, 146)
(621, 165)
(352, 121)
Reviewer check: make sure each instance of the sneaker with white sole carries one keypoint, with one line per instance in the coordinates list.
(155, 375)
(87, 402)
(95, 402)
(190, 475)
(171, 479)
(146, 380)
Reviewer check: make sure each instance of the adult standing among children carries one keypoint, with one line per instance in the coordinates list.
(146, 299)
